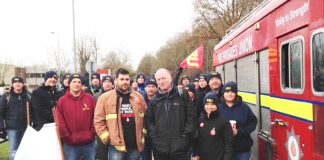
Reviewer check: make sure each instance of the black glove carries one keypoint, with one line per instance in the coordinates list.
(179, 69)
(3, 134)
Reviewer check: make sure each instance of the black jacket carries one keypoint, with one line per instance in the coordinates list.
(201, 93)
(92, 89)
(171, 120)
(246, 123)
(215, 138)
(13, 114)
(43, 100)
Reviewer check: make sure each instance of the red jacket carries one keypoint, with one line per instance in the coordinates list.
(75, 118)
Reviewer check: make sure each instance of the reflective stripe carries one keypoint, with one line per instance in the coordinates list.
(104, 136)
(111, 116)
(143, 140)
(144, 131)
(295, 108)
(120, 148)
(141, 114)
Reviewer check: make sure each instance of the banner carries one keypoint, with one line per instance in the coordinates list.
(195, 60)
(40, 145)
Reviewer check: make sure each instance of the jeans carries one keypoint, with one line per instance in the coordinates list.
(88, 151)
(131, 154)
(14, 137)
(242, 155)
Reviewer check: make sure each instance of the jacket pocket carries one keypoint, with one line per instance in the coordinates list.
(179, 145)
(83, 137)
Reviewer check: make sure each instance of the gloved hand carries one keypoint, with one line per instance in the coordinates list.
(179, 69)
(3, 134)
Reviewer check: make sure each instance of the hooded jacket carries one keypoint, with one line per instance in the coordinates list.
(171, 121)
(215, 138)
(245, 122)
(75, 118)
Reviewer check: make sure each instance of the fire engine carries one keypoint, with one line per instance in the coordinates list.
(276, 56)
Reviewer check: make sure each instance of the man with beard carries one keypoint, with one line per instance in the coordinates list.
(119, 117)
(95, 84)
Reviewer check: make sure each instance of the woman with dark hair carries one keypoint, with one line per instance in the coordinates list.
(242, 119)
(215, 137)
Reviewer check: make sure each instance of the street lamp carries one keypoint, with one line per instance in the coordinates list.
(74, 49)
(58, 43)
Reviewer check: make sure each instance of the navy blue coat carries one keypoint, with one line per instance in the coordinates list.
(245, 122)
(13, 114)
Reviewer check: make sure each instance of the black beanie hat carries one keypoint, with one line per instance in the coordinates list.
(150, 81)
(17, 79)
(140, 76)
(191, 87)
(50, 74)
(212, 75)
(76, 76)
(107, 77)
(211, 98)
(203, 76)
(230, 86)
(66, 75)
(95, 75)
(184, 77)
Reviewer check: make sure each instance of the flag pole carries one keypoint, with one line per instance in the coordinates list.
(58, 131)
(28, 116)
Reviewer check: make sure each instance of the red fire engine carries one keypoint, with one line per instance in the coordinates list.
(276, 56)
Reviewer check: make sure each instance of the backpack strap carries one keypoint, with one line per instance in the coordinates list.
(7, 94)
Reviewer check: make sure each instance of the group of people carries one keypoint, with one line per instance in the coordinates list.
(118, 118)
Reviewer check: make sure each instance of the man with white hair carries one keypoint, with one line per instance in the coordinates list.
(170, 119)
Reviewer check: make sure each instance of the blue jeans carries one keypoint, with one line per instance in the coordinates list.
(14, 137)
(88, 151)
(131, 154)
(242, 155)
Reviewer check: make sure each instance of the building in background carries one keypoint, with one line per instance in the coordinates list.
(33, 75)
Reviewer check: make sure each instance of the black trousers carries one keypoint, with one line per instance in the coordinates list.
(101, 150)
(164, 156)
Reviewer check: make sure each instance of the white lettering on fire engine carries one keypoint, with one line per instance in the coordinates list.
(243, 47)
(293, 14)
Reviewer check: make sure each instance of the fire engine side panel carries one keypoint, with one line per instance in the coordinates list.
(295, 139)
(230, 72)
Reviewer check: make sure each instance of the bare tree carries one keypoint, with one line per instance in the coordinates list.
(87, 48)
(4, 67)
(117, 59)
(214, 17)
(147, 64)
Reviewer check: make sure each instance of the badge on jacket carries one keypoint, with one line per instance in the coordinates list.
(213, 132)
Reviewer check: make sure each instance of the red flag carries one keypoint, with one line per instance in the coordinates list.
(195, 60)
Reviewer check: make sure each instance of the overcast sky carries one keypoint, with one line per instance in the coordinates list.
(141, 26)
